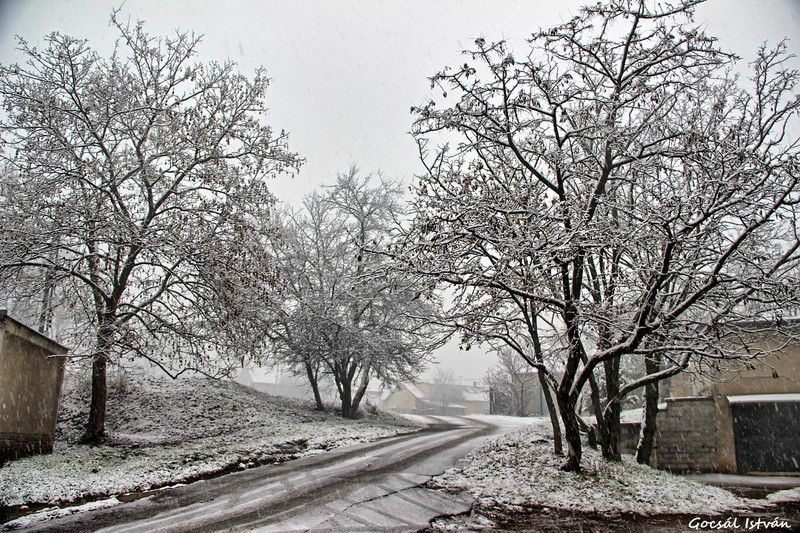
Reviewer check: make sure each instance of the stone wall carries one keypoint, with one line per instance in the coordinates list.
(685, 436)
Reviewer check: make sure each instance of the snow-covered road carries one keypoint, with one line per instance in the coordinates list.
(377, 486)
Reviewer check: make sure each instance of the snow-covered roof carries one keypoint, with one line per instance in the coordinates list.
(475, 396)
(762, 398)
(413, 389)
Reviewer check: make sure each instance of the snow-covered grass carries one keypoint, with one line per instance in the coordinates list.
(519, 469)
(163, 432)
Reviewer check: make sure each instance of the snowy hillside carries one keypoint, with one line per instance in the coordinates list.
(163, 432)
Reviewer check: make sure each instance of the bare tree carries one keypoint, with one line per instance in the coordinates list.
(616, 182)
(135, 187)
(445, 390)
(343, 312)
(512, 383)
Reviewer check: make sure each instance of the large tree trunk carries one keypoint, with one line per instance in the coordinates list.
(312, 379)
(572, 432)
(96, 427)
(558, 447)
(648, 430)
(346, 397)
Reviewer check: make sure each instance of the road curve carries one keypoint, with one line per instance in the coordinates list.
(376, 486)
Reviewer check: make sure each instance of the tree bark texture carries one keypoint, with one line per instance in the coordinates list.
(558, 447)
(647, 433)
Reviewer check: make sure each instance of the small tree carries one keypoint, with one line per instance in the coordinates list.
(615, 182)
(135, 187)
(343, 313)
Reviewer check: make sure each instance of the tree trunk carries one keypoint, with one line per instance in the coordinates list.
(346, 397)
(96, 427)
(312, 379)
(520, 407)
(362, 389)
(648, 430)
(610, 444)
(599, 430)
(572, 432)
(354, 405)
(558, 447)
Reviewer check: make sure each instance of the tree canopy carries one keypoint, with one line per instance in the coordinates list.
(134, 191)
(343, 312)
(614, 192)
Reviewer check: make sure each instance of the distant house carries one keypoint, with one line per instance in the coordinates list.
(744, 420)
(437, 399)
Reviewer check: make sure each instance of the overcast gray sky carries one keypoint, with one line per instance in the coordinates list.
(346, 73)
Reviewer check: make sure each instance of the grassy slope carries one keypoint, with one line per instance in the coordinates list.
(163, 432)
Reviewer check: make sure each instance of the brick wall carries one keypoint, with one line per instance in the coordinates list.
(686, 436)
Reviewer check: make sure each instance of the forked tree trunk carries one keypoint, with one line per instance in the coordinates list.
(352, 400)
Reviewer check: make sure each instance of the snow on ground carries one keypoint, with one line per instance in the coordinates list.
(164, 432)
(504, 421)
(57, 512)
(785, 496)
(518, 469)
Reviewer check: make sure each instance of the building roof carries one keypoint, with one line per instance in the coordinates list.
(469, 394)
(31, 334)
(413, 389)
(764, 398)
(475, 395)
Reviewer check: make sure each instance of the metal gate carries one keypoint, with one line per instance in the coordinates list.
(766, 434)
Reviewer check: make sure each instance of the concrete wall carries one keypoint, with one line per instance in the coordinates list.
(686, 436)
(30, 385)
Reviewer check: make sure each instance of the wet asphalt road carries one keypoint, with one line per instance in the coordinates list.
(370, 487)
